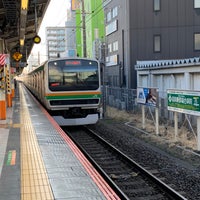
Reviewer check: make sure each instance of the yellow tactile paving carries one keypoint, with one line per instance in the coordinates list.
(34, 181)
(16, 125)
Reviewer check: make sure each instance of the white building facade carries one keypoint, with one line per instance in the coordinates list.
(70, 26)
(169, 74)
(55, 41)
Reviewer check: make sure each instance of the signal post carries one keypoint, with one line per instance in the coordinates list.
(2, 95)
(8, 85)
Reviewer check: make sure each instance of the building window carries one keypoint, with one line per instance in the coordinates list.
(157, 41)
(196, 3)
(197, 41)
(156, 5)
(115, 12)
(115, 46)
(108, 18)
(109, 48)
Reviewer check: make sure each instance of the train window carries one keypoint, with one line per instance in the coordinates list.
(73, 75)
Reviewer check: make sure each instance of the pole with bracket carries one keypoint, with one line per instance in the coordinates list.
(84, 30)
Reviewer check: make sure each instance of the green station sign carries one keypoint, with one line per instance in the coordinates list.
(184, 101)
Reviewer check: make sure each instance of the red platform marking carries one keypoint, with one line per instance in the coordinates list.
(97, 178)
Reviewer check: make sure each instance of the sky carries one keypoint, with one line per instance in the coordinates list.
(56, 15)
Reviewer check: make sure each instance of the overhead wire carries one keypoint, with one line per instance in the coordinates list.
(92, 14)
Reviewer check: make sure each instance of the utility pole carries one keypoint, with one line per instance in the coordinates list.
(84, 30)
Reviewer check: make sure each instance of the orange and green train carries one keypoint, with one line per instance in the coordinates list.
(69, 88)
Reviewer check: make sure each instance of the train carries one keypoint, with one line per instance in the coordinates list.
(69, 88)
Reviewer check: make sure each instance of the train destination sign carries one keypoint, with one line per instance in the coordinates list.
(184, 101)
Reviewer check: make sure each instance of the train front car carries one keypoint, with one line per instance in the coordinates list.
(74, 94)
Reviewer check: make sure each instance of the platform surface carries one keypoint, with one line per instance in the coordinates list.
(38, 161)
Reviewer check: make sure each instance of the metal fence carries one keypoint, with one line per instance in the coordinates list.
(126, 99)
(121, 98)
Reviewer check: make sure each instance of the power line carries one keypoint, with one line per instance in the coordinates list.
(93, 14)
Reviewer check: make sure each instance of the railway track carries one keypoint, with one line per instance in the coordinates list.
(128, 178)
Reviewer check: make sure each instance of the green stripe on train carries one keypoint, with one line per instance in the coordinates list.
(74, 97)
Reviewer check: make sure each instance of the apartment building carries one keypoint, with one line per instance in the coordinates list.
(139, 30)
(55, 41)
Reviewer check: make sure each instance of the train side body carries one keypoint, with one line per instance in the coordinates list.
(69, 89)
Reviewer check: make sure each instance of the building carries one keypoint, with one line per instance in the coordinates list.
(90, 29)
(61, 41)
(117, 40)
(139, 30)
(55, 40)
(181, 74)
(70, 25)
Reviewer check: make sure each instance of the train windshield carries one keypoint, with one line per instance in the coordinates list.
(73, 75)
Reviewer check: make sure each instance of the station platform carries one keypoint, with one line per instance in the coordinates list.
(38, 161)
